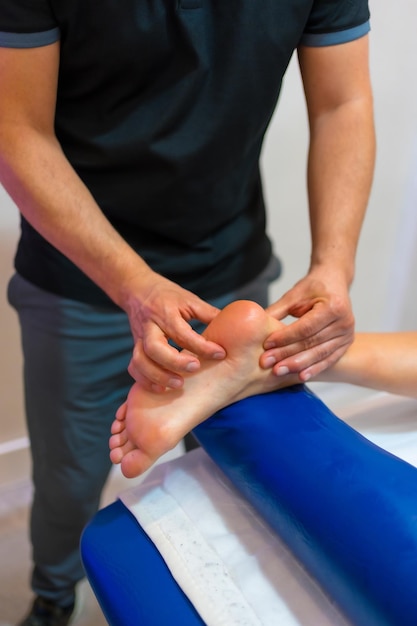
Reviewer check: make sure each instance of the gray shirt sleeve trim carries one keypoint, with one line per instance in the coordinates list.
(332, 39)
(29, 40)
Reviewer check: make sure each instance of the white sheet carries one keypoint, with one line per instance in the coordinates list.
(389, 421)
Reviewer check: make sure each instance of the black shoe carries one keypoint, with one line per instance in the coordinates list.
(47, 613)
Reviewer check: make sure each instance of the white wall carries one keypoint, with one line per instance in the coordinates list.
(384, 288)
(389, 233)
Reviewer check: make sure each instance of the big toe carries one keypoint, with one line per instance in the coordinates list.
(135, 463)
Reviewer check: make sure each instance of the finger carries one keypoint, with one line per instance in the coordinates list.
(295, 303)
(156, 349)
(302, 330)
(193, 346)
(203, 311)
(162, 364)
(151, 376)
(317, 368)
(311, 362)
(280, 309)
(288, 356)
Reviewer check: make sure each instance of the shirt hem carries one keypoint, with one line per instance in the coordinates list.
(335, 38)
(29, 40)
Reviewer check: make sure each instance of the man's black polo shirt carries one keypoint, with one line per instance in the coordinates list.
(162, 108)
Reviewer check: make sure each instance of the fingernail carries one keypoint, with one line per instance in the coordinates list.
(219, 355)
(281, 371)
(269, 361)
(192, 367)
(269, 345)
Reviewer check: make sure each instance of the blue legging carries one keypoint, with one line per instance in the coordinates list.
(345, 507)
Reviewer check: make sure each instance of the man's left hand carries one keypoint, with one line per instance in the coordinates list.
(323, 331)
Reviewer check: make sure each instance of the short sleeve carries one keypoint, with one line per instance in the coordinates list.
(333, 22)
(27, 24)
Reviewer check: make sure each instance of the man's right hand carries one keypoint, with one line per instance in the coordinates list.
(160, 311)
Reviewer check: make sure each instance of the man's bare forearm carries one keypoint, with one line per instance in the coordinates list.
(341, 159)
(53, 199)
(340, 171)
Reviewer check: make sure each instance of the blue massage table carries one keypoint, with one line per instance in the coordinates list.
(346, 509)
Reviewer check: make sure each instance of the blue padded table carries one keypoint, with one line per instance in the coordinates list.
(128, 575)
(346, 509)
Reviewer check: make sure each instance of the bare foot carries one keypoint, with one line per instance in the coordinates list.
(148, 424)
